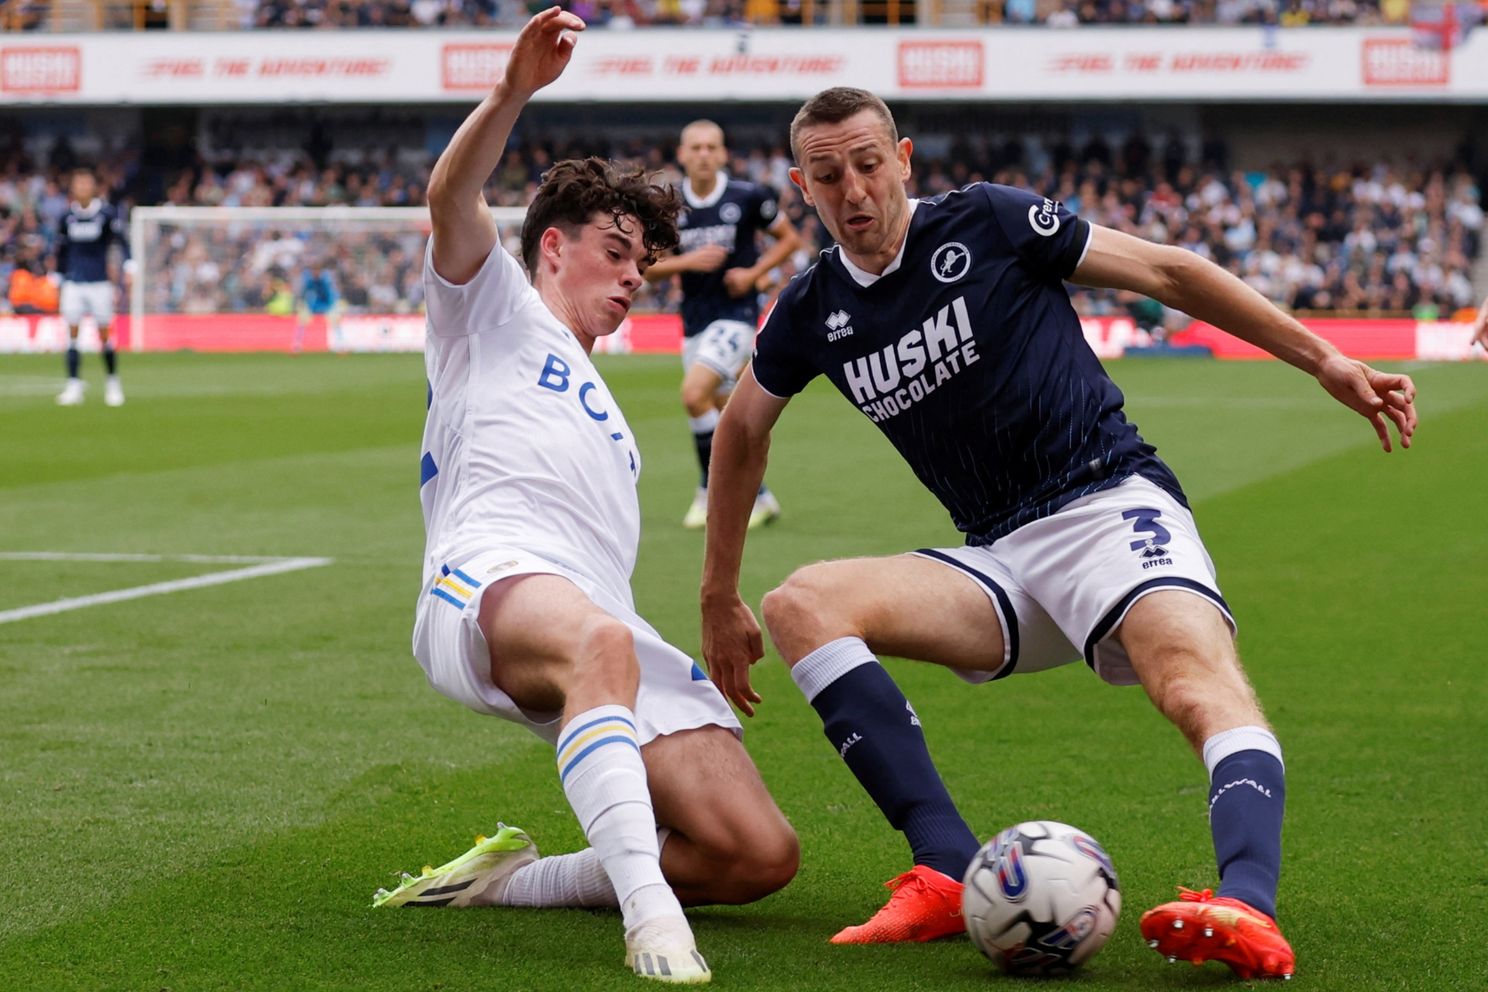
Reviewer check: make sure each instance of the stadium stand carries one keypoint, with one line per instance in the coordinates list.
(88, 15)
(1370, 236)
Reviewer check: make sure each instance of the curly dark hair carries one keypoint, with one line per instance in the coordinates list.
(576, 189)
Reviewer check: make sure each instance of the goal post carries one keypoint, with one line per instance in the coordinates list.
(234, 278)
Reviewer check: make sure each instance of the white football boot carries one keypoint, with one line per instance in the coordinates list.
(696, 517)
(766, 510)
(663, 950)
(113, 392)
(72, 393)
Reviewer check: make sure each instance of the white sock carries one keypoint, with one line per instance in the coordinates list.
(599, 764)
(577, 879)
(828, 663)
(565, 880)
(704, 424)
(1228, 742)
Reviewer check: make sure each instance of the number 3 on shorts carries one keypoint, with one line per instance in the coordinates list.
(1145, 519)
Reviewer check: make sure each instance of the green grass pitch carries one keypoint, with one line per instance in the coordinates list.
(201, 790)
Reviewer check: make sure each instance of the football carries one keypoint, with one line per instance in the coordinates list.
(1041, 898)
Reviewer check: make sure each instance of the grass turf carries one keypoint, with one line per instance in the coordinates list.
(201, 790)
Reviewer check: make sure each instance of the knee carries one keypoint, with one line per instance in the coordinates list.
(777, 857)
(606, 651)
(760, 861)
(797, 613)
(697, 397)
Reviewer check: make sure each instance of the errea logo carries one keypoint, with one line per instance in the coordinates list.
(950, 262)
(837, 325)
(1044, 218)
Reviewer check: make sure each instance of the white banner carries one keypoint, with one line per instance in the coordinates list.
(1181, 64)
(1440, 341)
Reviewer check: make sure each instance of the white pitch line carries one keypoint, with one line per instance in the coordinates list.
(275, 567)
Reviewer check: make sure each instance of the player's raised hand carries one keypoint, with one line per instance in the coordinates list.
(542, 50)
(731, 643)
(1374, 395)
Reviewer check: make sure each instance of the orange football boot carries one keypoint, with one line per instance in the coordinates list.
(1199, 928)
(925, 905)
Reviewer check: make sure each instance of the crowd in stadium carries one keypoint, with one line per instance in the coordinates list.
(626, 14)
(32, 15)
(1361, 237)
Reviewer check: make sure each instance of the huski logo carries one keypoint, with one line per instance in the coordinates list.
(851, 740)
(950, 262)
(914, 718)
(1044, 218)
(838, 326)
(899, 375)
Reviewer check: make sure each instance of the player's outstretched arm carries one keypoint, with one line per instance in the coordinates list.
(1185, 281)
(741, 444)
(704, 259)
(464, 233)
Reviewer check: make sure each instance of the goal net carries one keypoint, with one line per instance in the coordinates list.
(255, 278)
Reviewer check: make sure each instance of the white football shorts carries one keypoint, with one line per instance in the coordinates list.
(1062, 585)
(674, 692)
(92, 298)
(725, 346)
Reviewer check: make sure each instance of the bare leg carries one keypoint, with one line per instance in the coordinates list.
(1181, 649)
(1184, 654)
(552, 647)
(904, 607)
(828, 621)
(730, 842)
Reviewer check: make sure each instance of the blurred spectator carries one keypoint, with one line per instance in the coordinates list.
(1366, 237)
(30, 289)
(626, 14)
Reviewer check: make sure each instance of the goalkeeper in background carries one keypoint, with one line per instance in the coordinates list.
(317, 298)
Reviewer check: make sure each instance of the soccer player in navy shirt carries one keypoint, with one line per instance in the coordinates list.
(721, 267)
(84, 236)
(946, 323)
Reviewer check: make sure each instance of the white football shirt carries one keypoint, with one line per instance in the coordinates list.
(524, 446)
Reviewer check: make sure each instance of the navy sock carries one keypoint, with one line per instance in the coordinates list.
(704, 442)
(877, 733)
(72, 362)
(110, 359)
(1247, 796)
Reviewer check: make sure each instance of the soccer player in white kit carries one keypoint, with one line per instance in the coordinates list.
(528, 491)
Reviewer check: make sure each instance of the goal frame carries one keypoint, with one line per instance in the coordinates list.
(141, 219)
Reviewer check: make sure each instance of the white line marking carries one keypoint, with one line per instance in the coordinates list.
(270, 566)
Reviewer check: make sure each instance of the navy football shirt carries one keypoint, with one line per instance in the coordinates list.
(731, 216)
(84, 236)
(969, 357)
